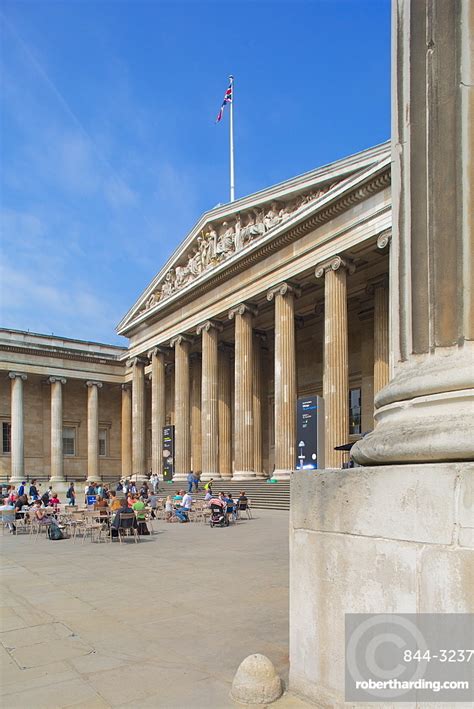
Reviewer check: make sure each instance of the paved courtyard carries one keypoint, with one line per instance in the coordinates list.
(164, 623)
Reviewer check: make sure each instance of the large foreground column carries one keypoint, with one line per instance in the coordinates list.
(209, 407)
(225, 412)
(244, 452)
(138, 418)
(336, 368)
(57, 462)
(381, 357)
(285, 380)
(17, 423)
(126, 430)
(158, 406)
(426, 412)
(182, 431)
(257, 404)
(93, 431)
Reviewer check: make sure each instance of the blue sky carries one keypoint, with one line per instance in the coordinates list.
(109, 148)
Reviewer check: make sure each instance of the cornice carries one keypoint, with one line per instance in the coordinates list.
(305, 225)
(61, 355)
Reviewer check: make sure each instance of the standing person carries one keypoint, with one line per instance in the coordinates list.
(168, 509)
(153, 482)
(190, 480)
(132, 488)
(21, 489)
(100, 490)
(34, 493)
(196, 481)
(119, 487)
(45, 498)
(71, 495)
(153, 502)
(91, 489)
(86, 487)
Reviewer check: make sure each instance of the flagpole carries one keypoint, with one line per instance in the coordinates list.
(231, 131)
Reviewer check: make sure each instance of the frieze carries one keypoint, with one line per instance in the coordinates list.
(219, 241)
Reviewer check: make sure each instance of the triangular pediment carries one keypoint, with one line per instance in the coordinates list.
(227, 231)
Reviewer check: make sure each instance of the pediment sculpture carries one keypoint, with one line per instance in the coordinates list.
(219, 241)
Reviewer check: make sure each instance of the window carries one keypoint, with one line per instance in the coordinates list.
(6, 437)
(69, 441)
(355, 411)
(102, 441)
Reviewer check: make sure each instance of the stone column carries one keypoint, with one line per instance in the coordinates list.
(93, 431)
(257, 403)
(138, 418)
(17, 424)
(126, 430)
(244, 452)
(196, 434)
(57, 462)
(424, 414)
(336, 368)
(285, 380)
(158, 406)
(379, 288)
(225, 412)
(182, 432)
(366, 329)
(209, 411)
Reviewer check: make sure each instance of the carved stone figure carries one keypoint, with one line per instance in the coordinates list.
(225, 243)
(271, 218)
(168, 285)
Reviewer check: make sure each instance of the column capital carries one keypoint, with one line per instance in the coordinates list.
(334, 264)
(91, 383)
(209, 325)
(285, 288)
(242, 309)
(180, 340)
(54, 380)
(158, 350)
(20, 375)
(384, 239)
(135, 361)
(376, 282)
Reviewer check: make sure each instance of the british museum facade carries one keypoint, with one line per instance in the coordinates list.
(279, 295)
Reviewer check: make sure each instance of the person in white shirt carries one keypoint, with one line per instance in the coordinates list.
(182, 512)
(9, 517)
(187, 501)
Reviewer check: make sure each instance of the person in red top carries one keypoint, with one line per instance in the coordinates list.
(54, 500)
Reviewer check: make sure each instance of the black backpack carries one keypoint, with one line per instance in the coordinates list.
(54, 532)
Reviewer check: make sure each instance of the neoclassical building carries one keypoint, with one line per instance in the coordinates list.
(275, 296)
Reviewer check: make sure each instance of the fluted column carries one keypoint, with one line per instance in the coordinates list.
(17, 423)
(244, 450)
(225, 413)
(336, 368)
(257, 403)
(209, 407)
(285, 379)
(158, 406)
(57, 463)
(431, 393)
(93, 430)
(138, 418)
(196, 433)
(381, 362)
(182, 430)
(126, 430)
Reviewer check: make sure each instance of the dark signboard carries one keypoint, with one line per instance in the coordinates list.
(310, 433)
(168, 452)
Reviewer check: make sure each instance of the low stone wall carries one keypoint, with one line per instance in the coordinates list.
(372, 540)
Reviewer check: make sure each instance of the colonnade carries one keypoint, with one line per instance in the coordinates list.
(203, 406)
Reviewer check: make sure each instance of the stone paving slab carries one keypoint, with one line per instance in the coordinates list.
(164, 623)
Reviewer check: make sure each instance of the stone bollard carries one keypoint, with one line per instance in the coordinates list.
(256, 681)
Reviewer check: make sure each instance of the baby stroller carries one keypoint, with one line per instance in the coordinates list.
(218, 513)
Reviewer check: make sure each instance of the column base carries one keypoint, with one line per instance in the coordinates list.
(244, 475)
(207, 476)
(281, 474)
(15, 480)
(180, 477)
(136, 478)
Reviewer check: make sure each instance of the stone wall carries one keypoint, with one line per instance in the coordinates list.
(373, 540)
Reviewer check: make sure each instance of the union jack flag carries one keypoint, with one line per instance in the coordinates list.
(227, 99)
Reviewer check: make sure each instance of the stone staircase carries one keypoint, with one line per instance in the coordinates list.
(270, 496)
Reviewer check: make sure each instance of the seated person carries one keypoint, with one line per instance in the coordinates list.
(54, 500)
(114, 502)
(126, 523)
(102, 506)
(139, 509)
(8, 514)
(182, 512)
(41, 515)
(179, 495)
(231, 506)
